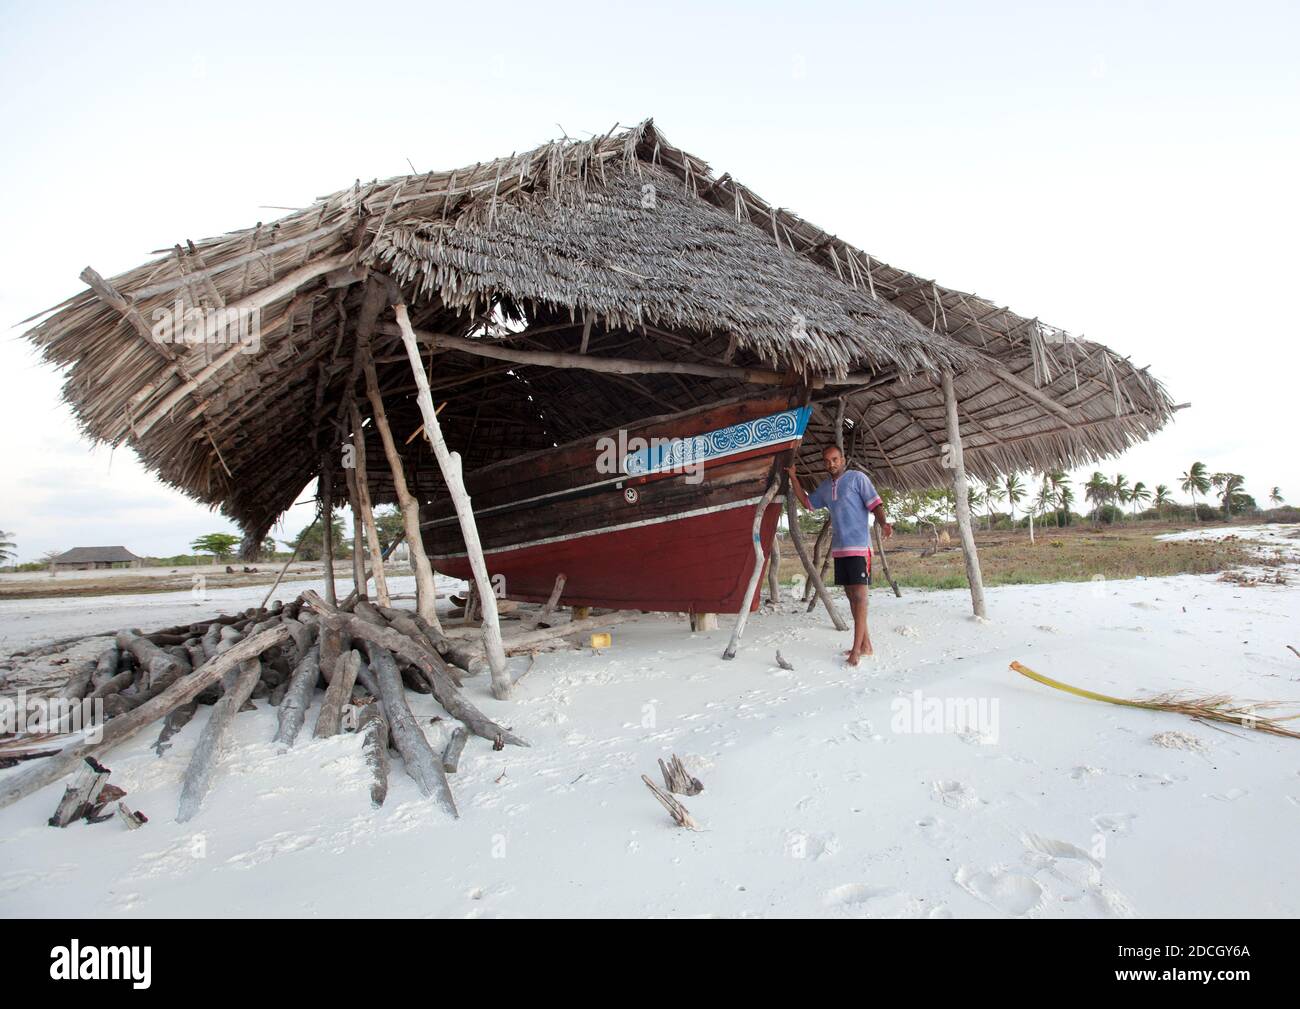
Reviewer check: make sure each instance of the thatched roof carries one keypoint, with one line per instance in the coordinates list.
(623, 242)
(95, 555)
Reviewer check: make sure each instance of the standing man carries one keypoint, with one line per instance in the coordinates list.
(851, 498)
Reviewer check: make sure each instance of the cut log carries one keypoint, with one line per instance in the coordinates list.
(105, 667)
(198, 776)
(372, 726)
(78, 682)
(133, 819)
(334, 644)
(338, 694)
(422, 764)
(82, 795)
(678, 779)
(530, 639)
(172, 724)
(435, 673)
(451, 755)
(297, 699)
(680, 814)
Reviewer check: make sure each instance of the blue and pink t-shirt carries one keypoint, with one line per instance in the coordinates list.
(850, 498)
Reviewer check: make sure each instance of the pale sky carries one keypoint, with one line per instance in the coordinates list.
(1126, 171)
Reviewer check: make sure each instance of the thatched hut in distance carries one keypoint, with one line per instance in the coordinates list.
(544, 299)
(95, 559)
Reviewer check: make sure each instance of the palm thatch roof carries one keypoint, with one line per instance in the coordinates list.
(620, 246)
(95, 555)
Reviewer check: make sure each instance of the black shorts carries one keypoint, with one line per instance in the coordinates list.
(852, 570)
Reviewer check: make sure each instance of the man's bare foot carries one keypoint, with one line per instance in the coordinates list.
(852, 660)
(867, 650)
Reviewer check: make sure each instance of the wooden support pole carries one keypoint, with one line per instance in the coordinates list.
(774, 570)
(796, 537)
(759, 511)
(360, 577)
(327, 515)
(530, 623)
(954, 459)
(884, 560)
(367, 512)
(449, 463)
(426, 593)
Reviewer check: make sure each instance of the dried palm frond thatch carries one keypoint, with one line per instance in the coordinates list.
(1210, 707)
(622, 246)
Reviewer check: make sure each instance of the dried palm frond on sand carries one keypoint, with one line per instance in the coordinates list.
(1213, 707)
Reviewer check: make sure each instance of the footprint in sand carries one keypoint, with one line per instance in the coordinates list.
(1053, 848)
(1009, 892)
(1231, 795)
(954, 794)
(874, 901)
(1114, 823)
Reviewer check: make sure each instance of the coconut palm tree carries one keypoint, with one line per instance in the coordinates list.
(1275, 497)
(1015, 491)
(1121, 492)
(1196, 481)
(7, 547)
(1162, 497)
(993, 493)
(1230, 485)
(1064, 499)
(1098, 491)
(1139, 495)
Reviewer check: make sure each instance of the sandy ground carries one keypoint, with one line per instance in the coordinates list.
(824, 795)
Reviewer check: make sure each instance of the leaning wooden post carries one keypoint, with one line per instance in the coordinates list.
(426, 593)
(449, 463)
(796, 537)
(953, 460)
(757, 573)
(327, 531)
(884, 560)
(367, 512)
(774, 569)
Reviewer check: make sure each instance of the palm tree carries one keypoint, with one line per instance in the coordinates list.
(1120, 491)
(1045, 496)
(1231, 485)
(1275, 497)
(1196, 481)
(1064, 499)
(1015, 491)
(1139, 495)
(993, 493)
(1162, 497)
(1098, 491)
(974, 498)
(7, 545)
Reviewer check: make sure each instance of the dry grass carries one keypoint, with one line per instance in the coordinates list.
(1072, 554)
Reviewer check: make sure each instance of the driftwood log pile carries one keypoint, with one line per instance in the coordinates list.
(363, 657)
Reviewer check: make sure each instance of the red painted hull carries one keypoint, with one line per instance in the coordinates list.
(699, 563)
(657, 539)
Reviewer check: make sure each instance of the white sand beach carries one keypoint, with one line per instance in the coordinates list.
(828, 790)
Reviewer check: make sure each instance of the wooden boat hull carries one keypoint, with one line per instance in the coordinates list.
(668, 528)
